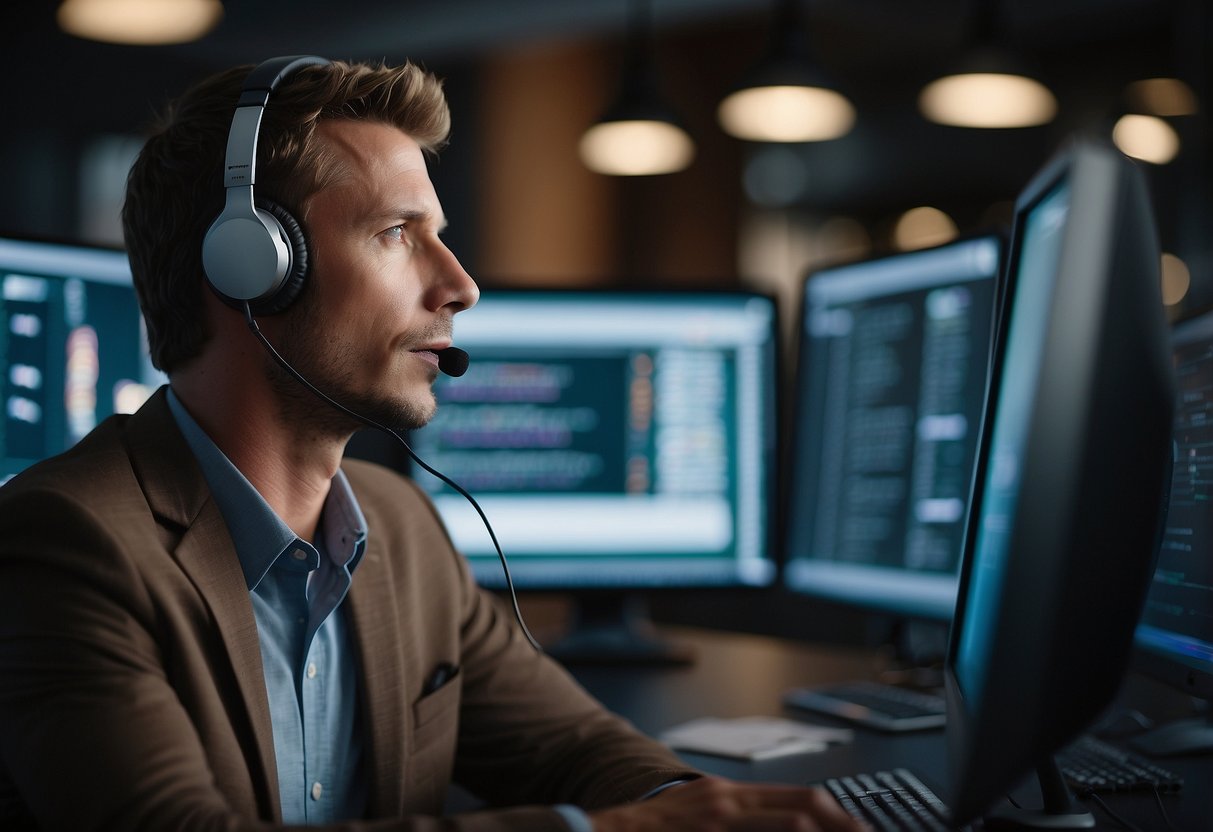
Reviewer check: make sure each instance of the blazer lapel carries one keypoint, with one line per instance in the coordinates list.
(381, 644)
(177, 492)
(207, 556)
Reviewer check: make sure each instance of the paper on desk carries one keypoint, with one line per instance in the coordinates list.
(753, 737)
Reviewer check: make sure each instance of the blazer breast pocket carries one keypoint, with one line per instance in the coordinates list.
(431, 753)
(437, 712)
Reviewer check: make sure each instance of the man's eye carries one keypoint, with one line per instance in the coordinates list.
(396, 232)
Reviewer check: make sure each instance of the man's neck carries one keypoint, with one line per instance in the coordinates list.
(290, 463)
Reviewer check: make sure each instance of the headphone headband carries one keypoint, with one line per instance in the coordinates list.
(241, 158)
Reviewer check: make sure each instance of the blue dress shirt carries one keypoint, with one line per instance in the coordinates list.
(310, 666)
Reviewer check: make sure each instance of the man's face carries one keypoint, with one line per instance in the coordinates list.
(383, 286)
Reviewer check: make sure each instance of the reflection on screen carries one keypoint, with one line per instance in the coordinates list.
(71, 346)
(893, 367)
(1032, 289)
(613, 439)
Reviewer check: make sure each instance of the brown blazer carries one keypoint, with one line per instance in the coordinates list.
(131, 687)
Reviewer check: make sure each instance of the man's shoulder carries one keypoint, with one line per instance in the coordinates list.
(88, 492)
(89, 465)
(104, 467)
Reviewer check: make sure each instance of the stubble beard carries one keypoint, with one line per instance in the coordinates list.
(328, 364)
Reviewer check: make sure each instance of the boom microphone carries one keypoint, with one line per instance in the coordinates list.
(453, 361)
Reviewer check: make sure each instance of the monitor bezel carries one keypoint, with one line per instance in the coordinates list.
(1105, 188)
(115, 274)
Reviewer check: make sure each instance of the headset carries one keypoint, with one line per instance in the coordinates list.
(255, 258)
(255, 252)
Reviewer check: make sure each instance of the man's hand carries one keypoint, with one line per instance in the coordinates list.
(713, 804)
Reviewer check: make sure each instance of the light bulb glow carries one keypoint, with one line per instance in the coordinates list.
(1148, 138)
(636, 148)
(923, 227)
(786, 114)
(140, 22)
(1176, 279)
(987, 100)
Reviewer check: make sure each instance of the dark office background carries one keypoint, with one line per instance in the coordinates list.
(526, 77)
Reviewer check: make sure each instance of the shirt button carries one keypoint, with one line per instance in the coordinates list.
(317, 790)
(311, 672)
(299, 554)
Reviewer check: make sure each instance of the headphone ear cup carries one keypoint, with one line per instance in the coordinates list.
(296, 241)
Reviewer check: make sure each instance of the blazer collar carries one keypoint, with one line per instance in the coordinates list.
(178, 495)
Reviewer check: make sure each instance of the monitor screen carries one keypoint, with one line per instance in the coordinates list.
(613, 438)
(72, 346)
(893, 360)
(1178, 617)
(1072, 466)
(1039, 247)
(1175, 636)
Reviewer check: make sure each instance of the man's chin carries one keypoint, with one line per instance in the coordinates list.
(425, 413)
(404, 413)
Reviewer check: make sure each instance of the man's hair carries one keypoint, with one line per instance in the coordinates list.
(175, 188)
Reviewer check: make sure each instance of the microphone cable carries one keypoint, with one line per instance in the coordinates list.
(324, 397)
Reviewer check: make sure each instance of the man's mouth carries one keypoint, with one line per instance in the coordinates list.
(427, 355)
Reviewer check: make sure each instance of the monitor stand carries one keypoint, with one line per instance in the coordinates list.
(1059, 810)
(915, 651)
(1172, 739)
(614, 628)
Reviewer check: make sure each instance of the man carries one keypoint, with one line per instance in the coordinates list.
(208, 620)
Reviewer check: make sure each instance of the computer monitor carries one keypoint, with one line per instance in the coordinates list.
(72, 346)
(616, 440)
(1073, 463)
(891, 379)
(1175, 636)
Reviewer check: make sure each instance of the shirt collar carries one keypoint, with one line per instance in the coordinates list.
(259, 535)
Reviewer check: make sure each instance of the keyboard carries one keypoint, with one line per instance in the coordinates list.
(891, 801)
(885, 707)
(1092, 765)
(897, 801)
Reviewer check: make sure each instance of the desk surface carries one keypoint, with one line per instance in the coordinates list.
(741, 675)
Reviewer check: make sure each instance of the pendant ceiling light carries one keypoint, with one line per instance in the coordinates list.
(786, 97)
(139, 22)
(1144, 131)
(991, 87)
(639, 135)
